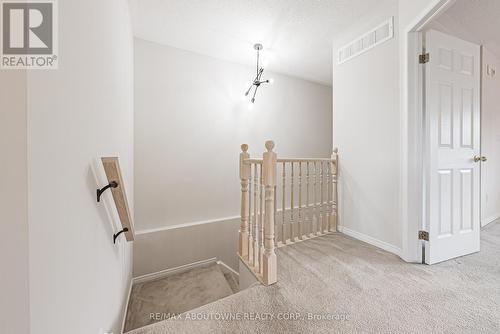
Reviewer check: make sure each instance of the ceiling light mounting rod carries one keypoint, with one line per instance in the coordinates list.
(258, 77)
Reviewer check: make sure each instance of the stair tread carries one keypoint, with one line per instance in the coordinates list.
(231, 279)
(175, 294)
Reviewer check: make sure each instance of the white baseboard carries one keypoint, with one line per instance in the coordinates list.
(171, 271)
(490, 219)
(370, 240)
(228, 268)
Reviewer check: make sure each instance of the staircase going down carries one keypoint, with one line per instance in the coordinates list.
(163, 298)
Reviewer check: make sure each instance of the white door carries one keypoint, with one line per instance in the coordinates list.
(452, 114)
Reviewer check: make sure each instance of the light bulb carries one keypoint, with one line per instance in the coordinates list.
(271, 81)
(250, 106)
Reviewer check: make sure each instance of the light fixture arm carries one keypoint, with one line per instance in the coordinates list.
(259, 74)
(254, 93)
(258, 77)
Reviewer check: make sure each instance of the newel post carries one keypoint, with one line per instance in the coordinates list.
(270, 264)
(334, 173)
(244, 176)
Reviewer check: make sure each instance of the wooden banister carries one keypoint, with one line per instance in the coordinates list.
(252, 161)
(113, 173)
(289, 160)
(300, 221)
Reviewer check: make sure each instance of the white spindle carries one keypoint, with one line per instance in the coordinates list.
(270, 265)
(321, 189)
(251, 214)
(261, 226)
(335, 171)
(328, 205)
(309, 218)
(283, 206)
(299, 221)
(291, 224)
(315, 212)
(275, 209)
(256, 216)
(244, 176)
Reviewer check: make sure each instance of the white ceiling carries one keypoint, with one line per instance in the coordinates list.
(297, 34)
(475, 20)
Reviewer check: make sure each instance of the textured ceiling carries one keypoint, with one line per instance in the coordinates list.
(475, 20)
(297, 34)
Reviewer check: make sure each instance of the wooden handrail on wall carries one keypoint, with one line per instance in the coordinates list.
(113, 173)
(311, 214)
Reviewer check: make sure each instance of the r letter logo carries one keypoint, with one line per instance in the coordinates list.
(29, 35)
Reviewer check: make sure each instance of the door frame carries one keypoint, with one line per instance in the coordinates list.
(412, 136)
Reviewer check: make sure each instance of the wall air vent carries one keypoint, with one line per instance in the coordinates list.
(360, 45)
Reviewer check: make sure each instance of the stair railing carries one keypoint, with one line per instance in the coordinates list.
(302, 207)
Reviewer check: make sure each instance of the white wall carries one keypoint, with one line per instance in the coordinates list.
(78, 280)
(490, 139)
(189, 125)
(166, 249)
(410, 9)
(367, 133)
(14, 300)
(447, 24)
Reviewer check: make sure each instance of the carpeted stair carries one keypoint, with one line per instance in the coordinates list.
(160, 299)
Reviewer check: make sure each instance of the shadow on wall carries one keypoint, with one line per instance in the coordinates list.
(166, 249)
(362, 211)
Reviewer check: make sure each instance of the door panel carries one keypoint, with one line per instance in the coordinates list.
(445, 203)
(467, 118)
(452, 108)
(467, 200)
(445, 115)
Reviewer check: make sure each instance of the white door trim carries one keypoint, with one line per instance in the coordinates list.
(411, 131)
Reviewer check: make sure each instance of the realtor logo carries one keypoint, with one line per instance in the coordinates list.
(29, 35)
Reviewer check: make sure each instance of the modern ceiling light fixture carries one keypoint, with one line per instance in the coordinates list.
(258, 78)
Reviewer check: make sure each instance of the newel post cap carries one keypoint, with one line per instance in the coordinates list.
(269, 165)
(244, 168)
(269, 145)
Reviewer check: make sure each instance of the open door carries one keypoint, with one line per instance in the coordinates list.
(453, 132)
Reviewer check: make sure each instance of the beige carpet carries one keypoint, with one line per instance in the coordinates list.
(357, 288)
(157, 300)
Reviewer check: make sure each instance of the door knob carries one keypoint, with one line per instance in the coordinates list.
(478, 158)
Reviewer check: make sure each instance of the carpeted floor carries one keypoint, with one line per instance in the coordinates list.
(347, 286)
(157, 300)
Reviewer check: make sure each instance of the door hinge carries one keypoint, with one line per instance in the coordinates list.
(424, 58)
(423, 235)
